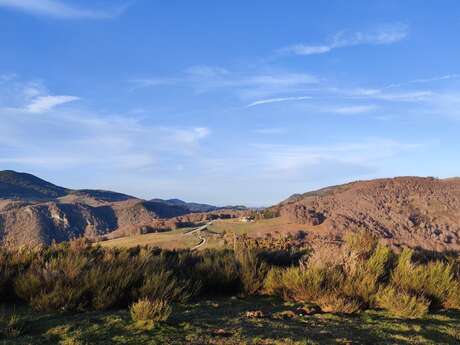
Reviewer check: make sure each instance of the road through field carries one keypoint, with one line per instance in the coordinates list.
(203, 240)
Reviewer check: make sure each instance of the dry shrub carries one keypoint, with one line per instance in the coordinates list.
(338, 304)
(365, 276)
(149, 312)
(252, 270)
(435, 280)
(402, 304)
(11, 325)
(163, 285)
(296, 283)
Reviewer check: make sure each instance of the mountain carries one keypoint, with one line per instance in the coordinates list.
(197, 207)
(34, 211)
(410, 211)
(14, 185)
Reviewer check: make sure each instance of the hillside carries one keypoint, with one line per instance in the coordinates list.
(34, 211)
(410, 211)
(14, 185)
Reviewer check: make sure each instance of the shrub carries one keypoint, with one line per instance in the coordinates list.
(150, 312)
(163, 285)
(53, 284)
(334, 302)
(299, 284)
(252, 271)
(11, 325)
(435, 280)
(366, 276)
(402, 304)
(218, 272)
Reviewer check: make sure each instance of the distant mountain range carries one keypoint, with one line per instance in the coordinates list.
(34, 211)
(403, 211)
(196, 207)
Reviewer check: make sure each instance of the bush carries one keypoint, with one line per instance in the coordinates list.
(402, 304)
(218, 272)
(252, 271)
(11, 325)
(165, 286)
(150, 312)
(339, 304)
(435, 280)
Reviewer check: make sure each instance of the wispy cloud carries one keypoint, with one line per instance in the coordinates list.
(277, 100)
(246, 85)
(270, 131)
(77, 137)
(45, 103)
(424, 80)
(354, 109)
(381, 36)
(60, 9)
(296, 159)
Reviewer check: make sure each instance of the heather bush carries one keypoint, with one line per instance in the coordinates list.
(335, 302)
(218, 272)
(252, 271)
(434, 280)
(403, 304)
(163, 285)
(148, 312)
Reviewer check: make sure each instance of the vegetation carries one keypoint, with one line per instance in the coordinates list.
(150, 312)
(363, 275)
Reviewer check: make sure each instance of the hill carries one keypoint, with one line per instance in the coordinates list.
(34, 211)
(412, 211)
(191, 206)
(14, 185)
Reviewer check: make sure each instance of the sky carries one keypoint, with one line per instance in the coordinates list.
(228, 102)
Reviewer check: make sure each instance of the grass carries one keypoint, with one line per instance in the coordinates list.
(259, 227)
(175, 239)
(223, 321)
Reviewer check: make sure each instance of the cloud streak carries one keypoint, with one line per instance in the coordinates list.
(59, 9)
(382, 36)
(45, 103)
(277, 100)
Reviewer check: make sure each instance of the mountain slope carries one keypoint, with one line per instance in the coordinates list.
(14, 185)
(34, 211)
(191, 206)
(410, 211)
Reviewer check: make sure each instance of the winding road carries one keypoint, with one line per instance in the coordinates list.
(203, 240)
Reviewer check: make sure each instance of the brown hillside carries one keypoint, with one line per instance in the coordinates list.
(410, 211)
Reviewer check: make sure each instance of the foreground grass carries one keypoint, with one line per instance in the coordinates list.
(224, 321)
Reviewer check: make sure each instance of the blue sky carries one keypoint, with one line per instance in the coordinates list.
(228, 102)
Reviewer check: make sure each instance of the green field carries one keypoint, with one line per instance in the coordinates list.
(175, 239)
(224, 321)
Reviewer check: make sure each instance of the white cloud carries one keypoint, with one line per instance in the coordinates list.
(76, 137)
(381, 94)
(245, 85)
(354, 109)
(269, 131)
(45, 103)
(297, 159)
(425, 80)
(277, 100)
(381, 36)
(59, 9)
